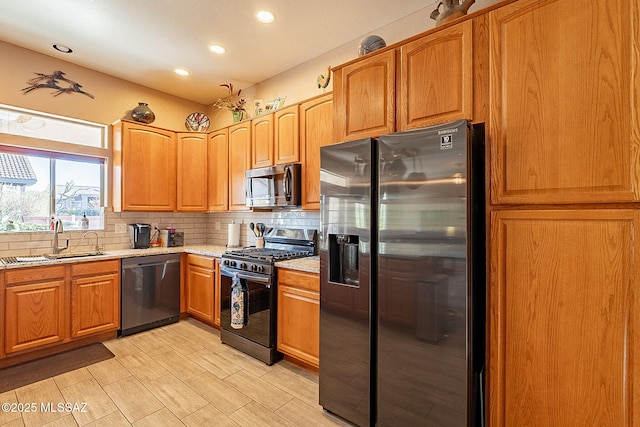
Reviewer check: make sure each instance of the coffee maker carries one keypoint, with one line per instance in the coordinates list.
(140, 235)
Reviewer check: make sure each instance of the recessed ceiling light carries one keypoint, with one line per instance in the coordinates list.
(265, 17)
(62, 48)
(217, 49)
(181, 72)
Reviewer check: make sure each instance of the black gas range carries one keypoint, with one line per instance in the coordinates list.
(255, 270)
(261, 260)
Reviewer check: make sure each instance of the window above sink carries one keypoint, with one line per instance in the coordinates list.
(51, 166)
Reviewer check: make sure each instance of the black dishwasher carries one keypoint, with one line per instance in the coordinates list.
(149, 293)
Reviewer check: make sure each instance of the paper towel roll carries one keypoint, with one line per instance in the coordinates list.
(233, 240)
(164, 238)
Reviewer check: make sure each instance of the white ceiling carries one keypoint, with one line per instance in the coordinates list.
(143, 41)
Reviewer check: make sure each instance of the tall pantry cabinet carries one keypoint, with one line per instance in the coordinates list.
(564, 313)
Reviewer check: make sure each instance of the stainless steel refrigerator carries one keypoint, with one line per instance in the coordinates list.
(402, 278)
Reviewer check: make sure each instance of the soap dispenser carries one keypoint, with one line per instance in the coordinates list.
(85, 221)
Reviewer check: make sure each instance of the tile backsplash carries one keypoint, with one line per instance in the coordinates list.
(218, 223)
(198, 228)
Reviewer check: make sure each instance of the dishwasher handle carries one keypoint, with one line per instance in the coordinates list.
(142, 263)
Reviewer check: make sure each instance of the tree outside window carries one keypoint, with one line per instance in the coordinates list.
(36, 186)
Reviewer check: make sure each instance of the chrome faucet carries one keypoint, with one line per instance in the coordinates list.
(98, 248)
(57, 228)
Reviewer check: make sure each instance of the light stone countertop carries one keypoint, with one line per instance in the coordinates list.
(310, 264)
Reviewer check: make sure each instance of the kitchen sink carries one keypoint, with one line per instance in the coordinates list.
(72, 255)
(47, 257)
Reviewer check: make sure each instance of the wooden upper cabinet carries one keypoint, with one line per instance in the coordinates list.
(563, 318)
(286, 135)
(239, 162)
(144, 168)
(365, 97)
(436, 78)
(262, 141)
(192, 172)
(218, 164)
(564, 102)
(316, 130)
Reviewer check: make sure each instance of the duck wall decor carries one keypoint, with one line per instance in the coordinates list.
(57, 81)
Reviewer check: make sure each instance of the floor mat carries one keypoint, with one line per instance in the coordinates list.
(51, 366)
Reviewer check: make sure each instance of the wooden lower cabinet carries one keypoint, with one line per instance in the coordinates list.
(48, 306)
(35, 311)
(95, 297)
(564, 319)
(299, 315)
(201, 291)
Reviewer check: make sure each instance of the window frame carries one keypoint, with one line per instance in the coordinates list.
(63, 151)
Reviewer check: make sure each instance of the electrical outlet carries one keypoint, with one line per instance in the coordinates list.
(121, 228)
(154, 225)
(217, 225)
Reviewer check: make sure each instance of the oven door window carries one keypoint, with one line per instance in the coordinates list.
(259, 306)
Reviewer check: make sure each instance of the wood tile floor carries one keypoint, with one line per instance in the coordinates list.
(177, 375)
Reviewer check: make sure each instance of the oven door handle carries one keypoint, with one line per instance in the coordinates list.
(259, 278)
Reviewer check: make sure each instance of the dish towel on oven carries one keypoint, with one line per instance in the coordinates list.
(237, 303)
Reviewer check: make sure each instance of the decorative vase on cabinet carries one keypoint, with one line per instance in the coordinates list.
(238, 115)
(143, 114)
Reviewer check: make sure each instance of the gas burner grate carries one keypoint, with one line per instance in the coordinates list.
(267, 254)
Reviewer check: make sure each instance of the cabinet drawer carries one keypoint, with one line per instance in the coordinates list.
(298, 279)
(201, 261)
(34, 274)
(95, 268)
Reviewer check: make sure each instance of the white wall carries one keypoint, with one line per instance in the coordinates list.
(299, 83)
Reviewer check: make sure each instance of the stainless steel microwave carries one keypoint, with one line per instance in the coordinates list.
(274, 186)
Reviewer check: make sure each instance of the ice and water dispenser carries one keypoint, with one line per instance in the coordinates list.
(343, 259)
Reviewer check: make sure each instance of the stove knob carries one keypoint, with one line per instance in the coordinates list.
(232, 263)
(261, 269)
(225, 262)
(243, 265)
